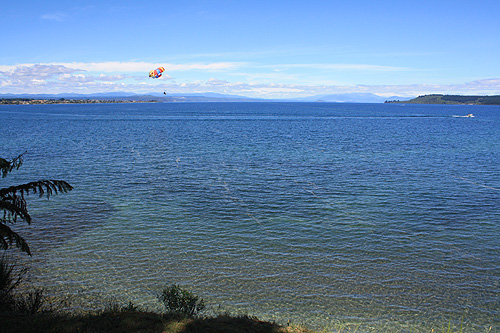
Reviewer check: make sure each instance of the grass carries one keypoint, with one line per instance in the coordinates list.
(131, 319)
(128, 321)
(137, 321)
(31, 311)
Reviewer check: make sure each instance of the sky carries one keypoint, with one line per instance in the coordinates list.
(253, 48)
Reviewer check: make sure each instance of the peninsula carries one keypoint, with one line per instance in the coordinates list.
(452, 99)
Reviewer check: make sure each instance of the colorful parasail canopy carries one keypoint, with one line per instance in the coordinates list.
(156, 73)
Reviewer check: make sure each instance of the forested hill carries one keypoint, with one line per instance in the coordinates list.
(453, 99)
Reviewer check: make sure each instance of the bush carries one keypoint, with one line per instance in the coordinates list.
(180, 301)
(29, 302)
(10, 278)
(114, 307)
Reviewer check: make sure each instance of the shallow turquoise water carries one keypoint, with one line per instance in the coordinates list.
(380, 214)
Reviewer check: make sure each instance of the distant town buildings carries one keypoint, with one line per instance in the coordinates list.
(24, 101)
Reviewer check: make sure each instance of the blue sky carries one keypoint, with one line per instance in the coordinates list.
(268, 49)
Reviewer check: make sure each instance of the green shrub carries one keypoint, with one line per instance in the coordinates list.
(10, 278)
(180, 301)
(130, 307)
(31, 302)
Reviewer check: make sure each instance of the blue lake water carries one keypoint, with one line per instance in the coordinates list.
(383, 215)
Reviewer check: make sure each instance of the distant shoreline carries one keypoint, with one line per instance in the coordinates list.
(30, 101)
(425, 99)
(452, 100)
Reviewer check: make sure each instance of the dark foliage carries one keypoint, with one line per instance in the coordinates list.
(13, 203)
(452, 99)
(10, 278)
(180, 301)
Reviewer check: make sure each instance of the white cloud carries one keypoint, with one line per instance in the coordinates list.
(26, 77)
(39, 82)
(57, 16)
(146, 67)
(276, 71)
(217, 66)
(80, 77)
(215, 82)
(483, 84)
(273, 91)
(103, 77)
(342, 67)
(39, 70)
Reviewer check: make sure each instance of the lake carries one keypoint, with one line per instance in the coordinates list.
(385, 216)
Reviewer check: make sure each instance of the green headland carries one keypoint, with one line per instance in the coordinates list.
(452, 99)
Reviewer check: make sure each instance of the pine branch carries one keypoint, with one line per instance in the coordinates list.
(9, 237)
(8, 166)
(42, 187)
(14, 207)
(13, 203)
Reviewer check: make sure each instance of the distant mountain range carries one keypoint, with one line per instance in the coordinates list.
(348, 98)
(207, 97)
